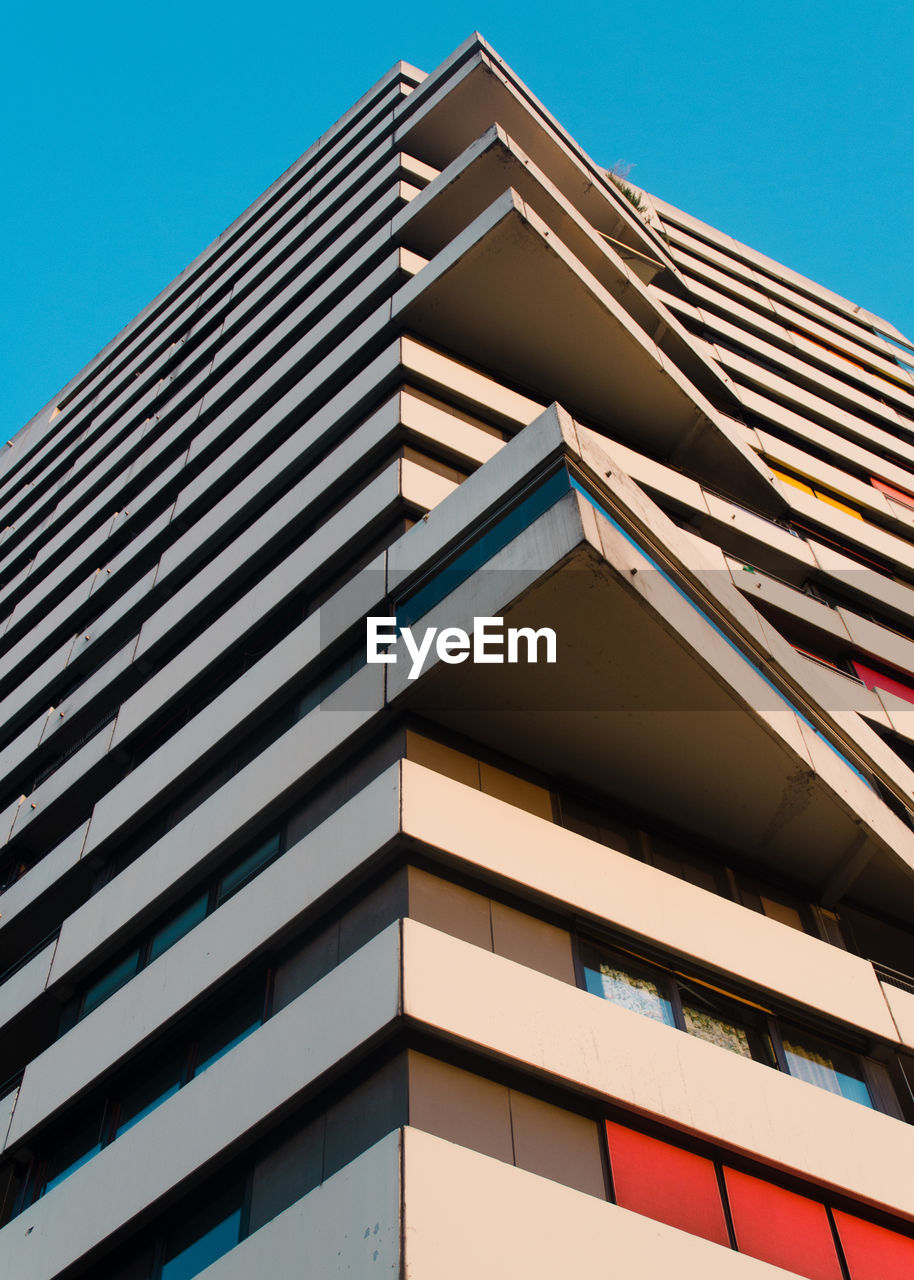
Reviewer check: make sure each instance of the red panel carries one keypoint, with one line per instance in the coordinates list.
(781, 1227)
(898, 494)
(872, 1252)
(876, 680)
(666, 1183)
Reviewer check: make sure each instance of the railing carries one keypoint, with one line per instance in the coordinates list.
(29, 955)
(895, 978)
(54, 764)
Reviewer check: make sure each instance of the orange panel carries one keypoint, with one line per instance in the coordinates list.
(872, 1252)
(876, 680)
(666, 1183)
(780, 1227)
(898, 494)
(842, 506)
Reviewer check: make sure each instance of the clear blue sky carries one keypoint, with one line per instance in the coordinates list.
(136, 133)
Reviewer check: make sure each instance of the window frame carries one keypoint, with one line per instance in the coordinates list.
(108, 1100)
(242, 1185)
(764, 1025)
(209, 888)
(671, 985)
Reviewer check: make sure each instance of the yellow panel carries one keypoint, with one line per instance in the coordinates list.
(824, 497)
(797, 484)
(824, 346)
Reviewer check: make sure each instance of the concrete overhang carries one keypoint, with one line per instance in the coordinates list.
(660, 697)
(442, 118)
(491, 165)
(507, 292)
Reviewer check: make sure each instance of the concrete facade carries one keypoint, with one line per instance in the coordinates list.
(604, 964)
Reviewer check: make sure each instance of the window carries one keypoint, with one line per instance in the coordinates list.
(824, 1066)
(148, 1093)
(204, 1236)
(195, 1237)
(149, 1083)
(121, 971)
(234, 1025)
(110, 980)
(695, 1007)
(247, 868)
(629, 987)
(84, 1141)
(173, 927)
(731, 1023)
(714, 1018)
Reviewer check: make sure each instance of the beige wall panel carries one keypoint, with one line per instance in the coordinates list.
(655, 1070)
(531, 942)
(601, 883)
(460, 1107)
(557, 1144)
(445, 760)
(450, 908)
(516, 791)
(469, 1216)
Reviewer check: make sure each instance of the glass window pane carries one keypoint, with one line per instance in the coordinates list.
(229, 1029)
(208, 1059)
(714, 1016)
(716, 1030)
(203, 1237)
(159, 1083)
(308, 701)
(73, 1165)
(138, 1111)
(625, 985)
(73, 1150)
(827, 1068)
(247, 868)
(210, 1246)
(110, 981)
(138, 1268)
(177, 925)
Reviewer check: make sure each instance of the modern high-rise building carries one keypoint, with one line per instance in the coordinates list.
(463, 961)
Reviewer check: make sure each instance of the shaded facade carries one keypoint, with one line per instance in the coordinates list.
(597, 965)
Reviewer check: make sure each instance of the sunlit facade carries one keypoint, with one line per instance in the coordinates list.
(319, 965)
